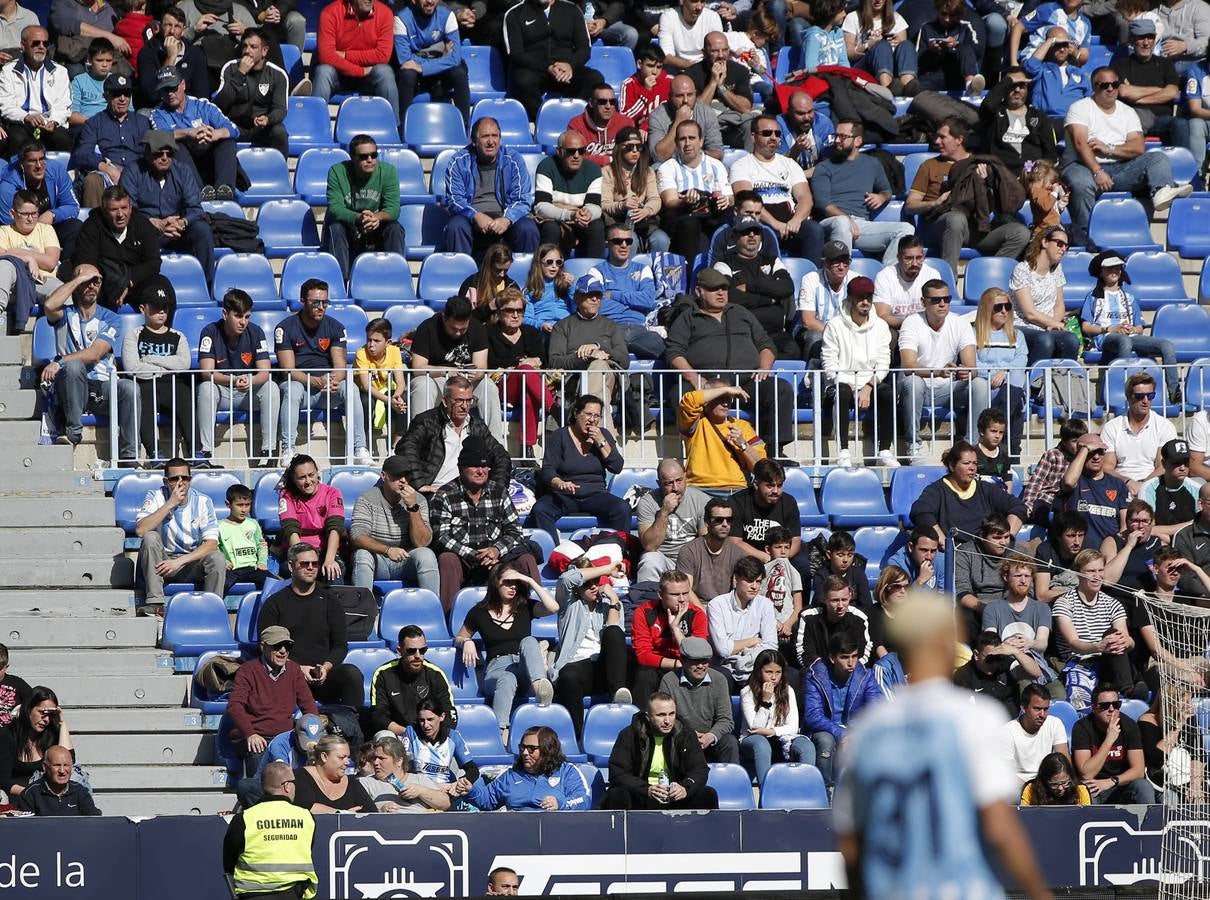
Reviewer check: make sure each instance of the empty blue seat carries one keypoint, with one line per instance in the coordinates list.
(354, 319)
(366, 115)
(129, 493)
(302, 266)
(196, 622)
(287, 227)
(441, 275)
(44, 349)
(985, 272)
(264, 503)
(1075, 271)
(437, 176)
(851, 498)
(479, 729)
(1134, 708)
(266, 169)
(1184, 166)
(946, 273)
(413, 606)
(579, 266)
(596, 783)
(615, 64)
(1187, 326)
(250, 272)
(214, 484)
(368, 660)
(424, 228)
(379, 281)
(245, 621)
(406, 317)
(1122, 225)
(556, 717)
(629, 478)
(1189, 227)
(867, 266)
(1065, 713)
(352, 482)
(907, 484)
(911, 165)
(602, 725)
(429, 128)
(798, 269)
(466, 598)
(413, 188)
(188, 279)
(1197, 383)
(1155, 279)
(732, 783)
(463, 682)
(515, 131)
(485, 71)
(798, 485)
(874, 543)
(308, 124)
(311, 174)
(190, 321)
(793, 786)
(553, 118)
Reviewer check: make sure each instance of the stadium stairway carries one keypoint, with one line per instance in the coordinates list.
(67, 617)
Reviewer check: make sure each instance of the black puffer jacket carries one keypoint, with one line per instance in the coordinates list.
(423, 448)
(630, 760)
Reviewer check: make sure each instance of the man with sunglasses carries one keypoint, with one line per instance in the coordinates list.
(710, 559)
(202, 129)
(1088, 488)
(179, 531)
(35, 95)
(171, 197)
(1058, 81)
(1133, 441)
(109, 141)
(1150, 83)
(363, 206)
(1107, 750)
(401, 685)
(761, 283)
(629, 293)
(1017, 132)
(1105, 152)
(599, 124)
(567, 199)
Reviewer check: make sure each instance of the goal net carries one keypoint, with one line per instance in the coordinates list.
(1183, 652)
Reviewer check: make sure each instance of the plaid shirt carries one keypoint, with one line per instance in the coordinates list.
(1044, 484)
(462, 527)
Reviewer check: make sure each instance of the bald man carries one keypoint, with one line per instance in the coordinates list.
(726, 87)
(567, 199)
(269, 847)
(683, 105)
(502, 881)
(56, 794)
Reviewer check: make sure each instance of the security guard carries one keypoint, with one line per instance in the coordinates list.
(268, 847)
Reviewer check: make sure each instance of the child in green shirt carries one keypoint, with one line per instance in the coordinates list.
(241, 540)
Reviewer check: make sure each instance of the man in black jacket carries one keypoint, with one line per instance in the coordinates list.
(401, 684)
(125, 264)
(1013, 130)
(680, 783)
(253, 91)
(56, 794)
(546, 44)
(761, 283)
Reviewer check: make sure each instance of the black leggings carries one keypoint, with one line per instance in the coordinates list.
(171, 396)
(883, 414)
(582, 679)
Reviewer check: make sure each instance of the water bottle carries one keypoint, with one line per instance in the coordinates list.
(663, 780)
(393, 781)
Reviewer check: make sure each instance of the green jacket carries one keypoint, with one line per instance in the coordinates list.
(380, 192)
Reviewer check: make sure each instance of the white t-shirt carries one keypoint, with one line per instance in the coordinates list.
(707, 176)
(774, 180)
(903, 300)
(677, 39)
(936, 349)
(1136, 452)
(852, 25)
(1025, 752)
(1112, 129)
(1197, 432)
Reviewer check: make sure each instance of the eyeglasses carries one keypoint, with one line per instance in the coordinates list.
(896, 587)
(590, 417)
(415, 651)
(1107, 85)
(1150, 395)
(1059, 242)
(512, 310)
(39, 43)
(1139, 522)
(1059, 787)
(939, 301)
(629, 147)
(1018, 85)
(315, 301)
(307, 563)
(26, 214)
(843, 137)
(573, 151)
(365, 156)
(1108, 704)
(1001, 307)
(558, 263)
(530, 748)
(174, 478)
(770, 132)
(157, 154)
(605, 101)
(721, 518)
(622, 242)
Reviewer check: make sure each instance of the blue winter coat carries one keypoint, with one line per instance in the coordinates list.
(817, 697)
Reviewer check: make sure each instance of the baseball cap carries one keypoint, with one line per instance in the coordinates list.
(308, 730)
(712, 279)
(1175, 452)
(275, 634)
(1142, 28)
(696, 649)
(861, 287)
(167, 78)
(394, 466)
(592, 283)
(745, 223)
(836, 250)
(118, 84)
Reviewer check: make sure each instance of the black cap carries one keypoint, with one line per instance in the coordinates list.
(118, 84)
(474, 453)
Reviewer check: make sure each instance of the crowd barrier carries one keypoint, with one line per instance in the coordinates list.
(450, 854)
(1047, 393)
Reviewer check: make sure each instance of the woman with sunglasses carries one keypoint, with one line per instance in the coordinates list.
(629, 194)
(484, 287)
(1091, 635)
(1001, 356)
(517, 354)
(890, 589)
(1037, 291)
(313, 513)
(548, 289)
(1056, 784)
(540, 779)
(513, 661)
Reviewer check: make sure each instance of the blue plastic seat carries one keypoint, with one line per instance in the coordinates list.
(851, 498)
(406, 317)
(287, 227)
(380, 281)
(798, 269)
(1134, 708)
(214, 484)
(479, 729)
(437, 175)
(245, 621)
(441, 275)
(1075, 270)
(485, 71)
(515, 131)
(911, 165)
(1122, 225)
(556, 717)
(579, 266)
(867, 266)
(413, 606)
(1184, 166)
(1189, 227)
(1155, 279)
(628, 478)
(553, 118)
(946, 273)
(985, 272)
(304, 265)
(1187, 326)
(596, 783)
(1197, 383)
(799, 486)
(308, 124)
(429, 128)
(907, 484)
(311, 174)
(463, 682)
(367, 115)
(874, 542)
(188, 279)
(44, 349)
(266, 169)
(424, 228)
(733, 784)
(1065, 713)
(466, 598)
(793, 786)
(196, 622)
(368, 659)
(129, 493)
(190, 321)
(354, 319)
(264, 503)
(352, 482)
(602, 725)
(1114, 384)
(412, 185)
(250, 272)
(615, 64)
(210, 703)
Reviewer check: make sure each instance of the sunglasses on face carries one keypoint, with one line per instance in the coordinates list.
(171, 479)
(414, 651)
(530, 748)
(1108, 704)
(316, 302)
(939, 301)
(160, 154)
(721, 518)
(840, 261)
(1019, 85)
(284, 645)
(512, 310)
(1001, 307)
(1107, 85)
(39, 43)
(622, 242)
(553, 262)
(605, 101)
(364, 156)
(573, 151)
(1150, 395)
(307, 563)
(1059, 242)
(770, 132)
(629, 147)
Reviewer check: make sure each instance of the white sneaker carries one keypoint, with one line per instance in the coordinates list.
(363, 457)
(287, 454)
(844, 459)
(916, 455)
(1162, 199)
(976, 86)
(888, 458)
(544, 691)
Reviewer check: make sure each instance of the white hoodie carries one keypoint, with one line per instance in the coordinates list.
(853, 354)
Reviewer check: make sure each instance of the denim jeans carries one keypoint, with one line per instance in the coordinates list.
(1192, 134)
(1151, 170)
(826, 755)
(506, 677)
(882, 58)
(379, 83)
(419, 568)
(215, 398)
(1044, 344)
(965, 398)
(757, 753)
(71, 396)
(642, 341)
(295, 397)
(874, 238)
(1115, 346)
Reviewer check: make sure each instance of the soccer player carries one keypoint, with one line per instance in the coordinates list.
(925, 793)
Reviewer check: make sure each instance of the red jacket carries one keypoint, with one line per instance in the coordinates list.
(134, 28)
(365, 42)
(637, 100)
(650, 637)
(599, 141)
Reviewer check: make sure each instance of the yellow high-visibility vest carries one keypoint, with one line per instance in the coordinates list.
(277, 849)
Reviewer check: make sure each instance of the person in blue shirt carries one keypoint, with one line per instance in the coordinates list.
(806, 130)
(1112, 320)
(88, 88)
(1067, 14)
(629, 293)
(1057, 81)
(30, 170)
(921, 558)
(823, 44)
(201, 128)
(834, 691)
(548, 289)
(85, 337)
(1192, 130)
(428, 49)
(541, 778)
(292, 747)
(109, 141)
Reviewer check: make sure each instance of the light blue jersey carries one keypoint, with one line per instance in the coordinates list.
(916, 813)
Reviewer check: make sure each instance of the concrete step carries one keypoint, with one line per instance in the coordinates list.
(17, 403)
(119, 690)
(109, 570)
(35, 458)
(10, 350)
(18, 376)
(139, 720)
(64, 483)
(56, 511)
(19, 432)
(165, 749)
(142, 777)
(32, 632)
(62, 543)
(108, 661)
(183, 803)
(60, 603)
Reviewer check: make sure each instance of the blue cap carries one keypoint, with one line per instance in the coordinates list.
(308, 730)
(592, 283)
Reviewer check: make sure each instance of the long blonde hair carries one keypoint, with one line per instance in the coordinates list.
(983, 318)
